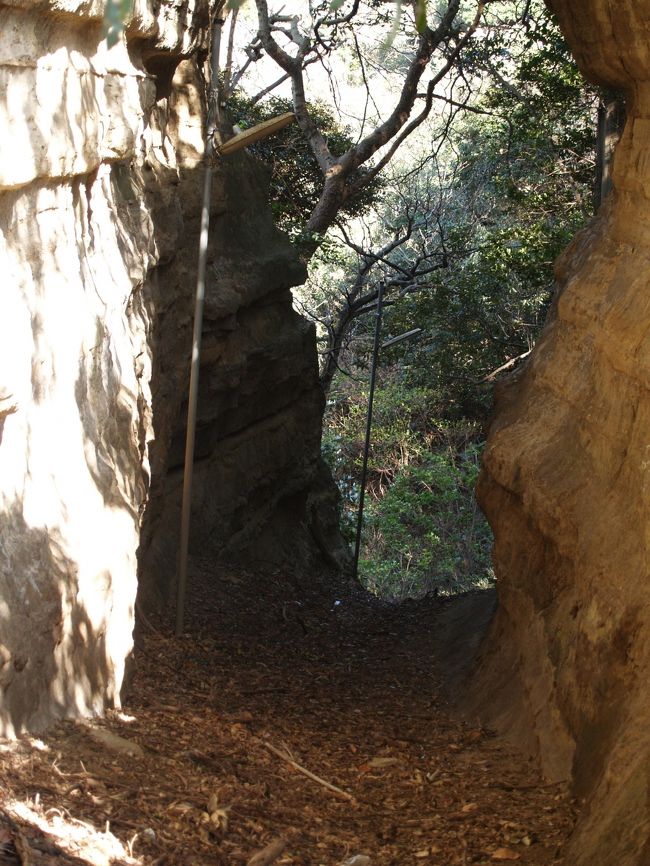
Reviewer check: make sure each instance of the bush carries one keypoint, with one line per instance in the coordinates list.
(427, 534)
(423, 531)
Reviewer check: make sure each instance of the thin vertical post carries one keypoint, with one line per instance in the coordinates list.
(198, 325)
(601, 158)
(366, 447)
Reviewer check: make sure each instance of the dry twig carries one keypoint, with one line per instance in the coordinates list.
(268, 854)
(308, 773)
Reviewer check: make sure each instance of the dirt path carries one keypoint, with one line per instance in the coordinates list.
(350, 692)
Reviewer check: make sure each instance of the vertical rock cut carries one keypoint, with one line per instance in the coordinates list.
(566, 486)
(100, 177)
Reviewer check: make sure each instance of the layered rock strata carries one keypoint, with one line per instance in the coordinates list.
(566, 486)
(100, 177)
(260, 491)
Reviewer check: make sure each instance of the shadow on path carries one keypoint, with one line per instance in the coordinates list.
(273, 674)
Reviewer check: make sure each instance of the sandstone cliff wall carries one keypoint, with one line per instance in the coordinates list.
(99, 209)
(566, 486)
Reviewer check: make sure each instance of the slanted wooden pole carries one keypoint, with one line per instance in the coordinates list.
(190, 437)
(256, 133)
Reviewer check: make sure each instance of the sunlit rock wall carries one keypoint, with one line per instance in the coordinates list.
(566, 485)
(77, 242)
(100, 193)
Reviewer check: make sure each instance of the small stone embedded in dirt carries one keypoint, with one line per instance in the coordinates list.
(243, 718)
(505, 854)
(382, 762)
(357, 860)
(268, 854)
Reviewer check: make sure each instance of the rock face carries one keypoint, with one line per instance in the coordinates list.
(100, 182)
(566, 486)
(74, 358)
(261, 493)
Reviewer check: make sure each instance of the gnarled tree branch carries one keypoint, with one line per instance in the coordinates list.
(341, 174)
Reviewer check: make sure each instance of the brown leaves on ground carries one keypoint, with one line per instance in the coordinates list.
(235, 730)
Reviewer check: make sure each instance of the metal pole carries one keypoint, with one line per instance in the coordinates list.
(198, 324)
(601, 137)
(366, 447)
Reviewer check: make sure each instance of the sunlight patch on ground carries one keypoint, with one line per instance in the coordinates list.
(123, 717)
(77, 838)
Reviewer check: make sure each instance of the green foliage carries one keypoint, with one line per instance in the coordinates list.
(509, 188)
(296, 179)
(518, 190)
(115, 14)
(486, 309)
(423, 531)
(427, 534)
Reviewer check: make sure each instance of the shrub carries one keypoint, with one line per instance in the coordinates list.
(423, 530)
(427, 534)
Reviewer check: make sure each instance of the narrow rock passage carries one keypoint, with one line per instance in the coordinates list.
(350, 691)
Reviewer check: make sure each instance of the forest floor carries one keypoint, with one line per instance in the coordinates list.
(209, 763)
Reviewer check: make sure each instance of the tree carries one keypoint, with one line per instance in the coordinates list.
(296, 180)
(508, 181)
(494, 181)
(346, 175)
(401, 249)
(517, 189)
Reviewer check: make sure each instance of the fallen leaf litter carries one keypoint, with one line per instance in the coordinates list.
(280, 729)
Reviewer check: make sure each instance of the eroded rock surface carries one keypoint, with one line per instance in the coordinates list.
(100, 189)
(75, 362)
(260, 493)
(566, 486)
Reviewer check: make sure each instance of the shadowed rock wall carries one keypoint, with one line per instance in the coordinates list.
(260, 493)
(100, 189)
(566, 486)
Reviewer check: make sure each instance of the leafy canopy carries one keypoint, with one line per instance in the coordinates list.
(296, 179)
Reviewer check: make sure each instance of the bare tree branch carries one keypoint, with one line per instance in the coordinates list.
(341, 178)
(365, 179)
(293, 67)
(403, 268)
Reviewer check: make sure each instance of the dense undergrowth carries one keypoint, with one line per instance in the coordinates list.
(423, 530)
